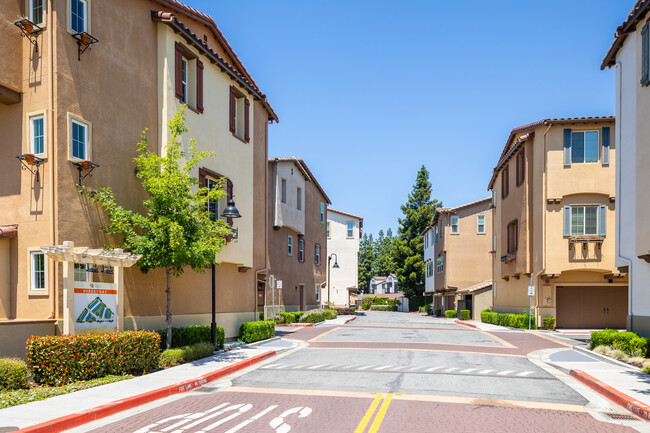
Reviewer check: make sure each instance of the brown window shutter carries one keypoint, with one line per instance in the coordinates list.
(247, 136)
(508, 239)
(516, 232)
(522, 155)
(179, 71)
(202, 174)
(233, 107)
(315, 257)
(229, 197)
(199, 86)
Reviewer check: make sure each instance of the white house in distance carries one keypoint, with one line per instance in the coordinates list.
(343, 234)
(383, 285)
(630, 55)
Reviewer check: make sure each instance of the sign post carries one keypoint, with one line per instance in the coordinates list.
(272, 283)
(531, 293)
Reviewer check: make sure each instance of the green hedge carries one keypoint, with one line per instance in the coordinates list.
(509, 320)
(383, 307)
(628, 342)
(451, 314)
(330, 314)
(189, 335)
(69, 358)
(415, 302)
(13, 374)
(313, 316)
(250, 332)
(549, 323)
(464, 314)
(181, 355)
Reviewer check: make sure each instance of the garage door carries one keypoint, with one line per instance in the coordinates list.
(592, 307)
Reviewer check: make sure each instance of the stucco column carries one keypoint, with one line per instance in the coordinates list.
(5, 281)
(118, 280)
(68, 298)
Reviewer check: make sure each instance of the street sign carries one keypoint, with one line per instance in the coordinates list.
(272, 281)
(279, 285)
(531, 290)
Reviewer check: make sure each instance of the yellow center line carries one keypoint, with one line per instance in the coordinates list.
(369, 413)
(380, 415)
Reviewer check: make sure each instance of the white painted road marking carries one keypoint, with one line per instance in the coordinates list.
(432, 368)
(525, 373)
(503, 373)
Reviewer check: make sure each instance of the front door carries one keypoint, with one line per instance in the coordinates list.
(301, 290)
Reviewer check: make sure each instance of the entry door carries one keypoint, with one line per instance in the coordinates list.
(301, 289)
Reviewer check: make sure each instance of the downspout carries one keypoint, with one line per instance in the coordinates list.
(51, 154)
(619, 159)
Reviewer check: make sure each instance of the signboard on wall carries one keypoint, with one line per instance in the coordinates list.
(95, 305)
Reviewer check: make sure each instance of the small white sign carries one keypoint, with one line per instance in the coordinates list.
(531, 290)
(279, 285)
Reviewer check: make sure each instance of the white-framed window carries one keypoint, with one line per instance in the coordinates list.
(299, 198)
(290, 245)
(322, 213)
(283, 190)
(80, 138)
(301, 250)
(184, 82)
(454, 225)
(37, 272)
(584, 147)
(213, 204)
(317, 290)
(37, 137)
(585, 220)
(440, 264)
(328, 230)
(78, 16)
(36, 11)
(429, 268)
(80, 272)
(317, 254)
(435, 230)
(350, 231)
(480, 224)
(426, 240)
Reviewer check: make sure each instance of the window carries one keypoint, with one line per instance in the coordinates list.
(38, 271)
(35, 11)
(429, 269)
(585, 220)
(301, 250)
(80, 272)
(584, 147)
(350, 233)
(435, 229)
(454, 225)
(440, 264)
(322, 212)
(480, 224)
(80, 135)
(299, 198)
(184, 79)
(78, 16)
(512, 237)
(645, 58)
(317, 254)
(239, 114)
(521, 167)
(328, 230)
(290, 245)
(37, 134)
(426, 240)
(283, 190)
(213, 204)
(317, 290)
(505, 182)
(189, 78)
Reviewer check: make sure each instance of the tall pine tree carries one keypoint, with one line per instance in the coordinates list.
(367, 257)
(409, 246)
(385, 262)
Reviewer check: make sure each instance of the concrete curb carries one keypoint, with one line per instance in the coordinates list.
(350, 319)
(624, 400)
(77, 419)
(257, 343)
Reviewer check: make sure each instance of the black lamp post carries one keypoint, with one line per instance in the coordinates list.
(329, 272)
(229, 212)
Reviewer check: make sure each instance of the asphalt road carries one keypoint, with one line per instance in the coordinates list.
(383, 372)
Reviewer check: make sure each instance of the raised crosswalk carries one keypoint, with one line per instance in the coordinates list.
(423, 369)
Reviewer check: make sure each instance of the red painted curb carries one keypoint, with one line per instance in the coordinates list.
(634, 406)
(465, 323)
(80, 418)
(351, 319)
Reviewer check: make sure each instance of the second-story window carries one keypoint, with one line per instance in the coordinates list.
(480, 224)
(322, 212)
(317, 254)
(505, 182)
(440, 264)
(454, 225)
(435, 229)
(79, 133)
(301, 250)
(328, 230)
(290, 245)
(184, 79)
(584, 147)
(189, 78)
(585, 220)
(35, 11)
(521, 167)
(78, 16)
(37, 134)
(283, 190)
(350, 233)
(645, 55)
(239, 114)
(299, 198)
(511, 231)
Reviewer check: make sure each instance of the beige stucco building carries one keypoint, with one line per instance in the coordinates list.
(554, 197)
(630, 55)
(457, 261)
(65, 106)
(297, 237)
(343, 233)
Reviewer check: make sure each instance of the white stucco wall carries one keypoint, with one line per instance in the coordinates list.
(347, 253)
(429, 254)
(287, 214)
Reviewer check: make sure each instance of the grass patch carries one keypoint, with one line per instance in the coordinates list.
(181, 355)
(22, 396)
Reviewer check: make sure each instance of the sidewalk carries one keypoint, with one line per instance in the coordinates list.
(77, 408)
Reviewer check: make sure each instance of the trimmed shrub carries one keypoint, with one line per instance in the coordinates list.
(646, 369)
(261, 315)
(451, 314)
(383, 307)
(549, 323)
(297, 315)
(366, 303)
(438, 312)
(250, 332)
(464, 314)
(69, 358)
(189, 335)
(13, 374)
(286, 318)
(313, 316)
(627, 342)
(330, 314)
(508, 320)
(422, 310)
(181, 355)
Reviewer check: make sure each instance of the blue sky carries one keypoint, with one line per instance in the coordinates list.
(368, 91)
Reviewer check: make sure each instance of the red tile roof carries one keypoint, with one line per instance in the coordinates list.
(345, 213)
(635, 16)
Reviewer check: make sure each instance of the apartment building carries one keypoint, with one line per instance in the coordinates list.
(78, 84)
(630, 55)
(554, 224)
(383, 285)
(344, 231)
(297, 236)
(457, 259)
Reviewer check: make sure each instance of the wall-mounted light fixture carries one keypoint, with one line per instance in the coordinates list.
(27, 160)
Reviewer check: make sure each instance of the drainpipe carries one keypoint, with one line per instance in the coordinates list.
(50, 152)
(630, 262)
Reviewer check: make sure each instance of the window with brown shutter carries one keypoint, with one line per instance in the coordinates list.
(505, 182)
(233, 110)
(199, 86)
(178, 68)
(512, 237)
(521, 167)
(188, 80)
(247, 137)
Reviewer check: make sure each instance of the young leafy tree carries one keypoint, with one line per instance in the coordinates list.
(177, 230)
(366, 261)
(409, 247)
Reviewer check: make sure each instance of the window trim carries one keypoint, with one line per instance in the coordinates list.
(317, 254)
(89, 134)
(599, 230)
(298, 198)
(88, 28)
(584, 150)
(451, 225)
(322, 213)
(301, 250)
(440, 264)
(478, 225)
(30, 132)
(185, 84)
(290, 245)
(347, 230)
(29, 8)
(30, 275)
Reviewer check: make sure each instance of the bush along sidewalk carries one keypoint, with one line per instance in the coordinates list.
(181, 355)
(250, 332)
(451, 314)
(626, 347)
(510, 320)
(13, 374)
(190, 335)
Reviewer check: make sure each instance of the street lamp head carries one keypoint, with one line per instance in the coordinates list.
(231, 211)
(336, 265)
